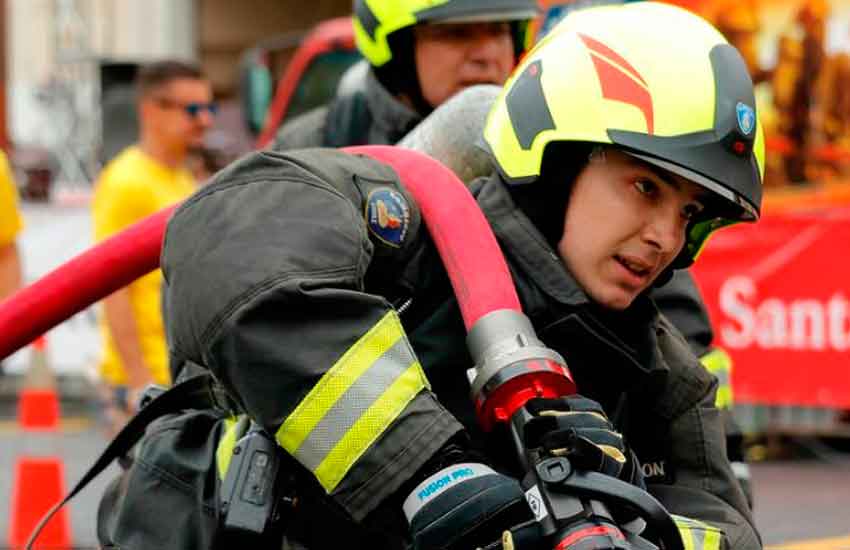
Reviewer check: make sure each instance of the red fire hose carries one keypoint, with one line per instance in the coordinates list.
(82, 281)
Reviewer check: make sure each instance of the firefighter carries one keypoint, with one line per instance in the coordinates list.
(449, 134)
(420, 53)
(307, 284)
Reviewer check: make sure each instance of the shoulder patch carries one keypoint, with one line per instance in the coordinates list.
(746, 118)
(388, 216)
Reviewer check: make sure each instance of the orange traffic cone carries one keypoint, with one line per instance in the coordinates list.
(38, 487)
(39, 481)
(38, 409)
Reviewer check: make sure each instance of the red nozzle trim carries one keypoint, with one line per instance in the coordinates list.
(501, 404)
(607, 531)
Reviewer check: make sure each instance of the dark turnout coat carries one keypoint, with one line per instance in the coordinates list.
(365, 114)
(284, 276)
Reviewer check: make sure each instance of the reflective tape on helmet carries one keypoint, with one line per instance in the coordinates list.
(374, 20)
(354, 402)
(719, 363)
(698, 535)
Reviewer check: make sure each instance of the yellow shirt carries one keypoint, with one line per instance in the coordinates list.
(131, 187)
(10, 218)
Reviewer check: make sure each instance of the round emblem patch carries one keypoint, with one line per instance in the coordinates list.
(388, 216)
(746, 118)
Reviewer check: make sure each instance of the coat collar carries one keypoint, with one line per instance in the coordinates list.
(390, 117)
(528, 251)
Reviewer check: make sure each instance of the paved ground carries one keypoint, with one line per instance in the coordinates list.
(803, 500)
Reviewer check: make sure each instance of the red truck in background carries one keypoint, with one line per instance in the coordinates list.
(776, 291)
(310, 78)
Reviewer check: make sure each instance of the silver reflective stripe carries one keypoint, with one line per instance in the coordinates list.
(438, 483)
(741, 470)
(698, 539)
(352, 404)
(722, 377)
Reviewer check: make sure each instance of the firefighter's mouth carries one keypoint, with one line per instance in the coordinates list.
(635, 266)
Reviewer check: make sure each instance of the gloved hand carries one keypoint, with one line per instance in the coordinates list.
(464, 506)
(576, 427)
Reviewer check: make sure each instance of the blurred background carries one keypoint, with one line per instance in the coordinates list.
(777, 293)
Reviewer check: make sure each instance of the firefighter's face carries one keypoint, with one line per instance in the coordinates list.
(625, 223)
(180, 112)
(453, 56)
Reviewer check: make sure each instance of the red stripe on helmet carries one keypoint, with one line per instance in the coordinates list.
(600, 48)
(619, 80)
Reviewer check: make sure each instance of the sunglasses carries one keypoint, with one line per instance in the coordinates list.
(192, 109)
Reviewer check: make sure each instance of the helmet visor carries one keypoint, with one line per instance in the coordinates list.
(739, 208)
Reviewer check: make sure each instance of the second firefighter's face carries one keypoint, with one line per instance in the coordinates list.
(625, 223)
(452, 56)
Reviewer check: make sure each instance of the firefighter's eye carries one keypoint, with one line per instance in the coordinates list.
(646, 187)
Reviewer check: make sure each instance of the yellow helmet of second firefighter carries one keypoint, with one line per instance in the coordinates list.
(376, 20)
(651, 79)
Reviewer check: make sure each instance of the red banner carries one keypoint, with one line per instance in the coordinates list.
(778, 293)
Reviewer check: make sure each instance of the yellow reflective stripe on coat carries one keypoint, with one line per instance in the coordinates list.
(354, 402)
(698, 535)
(233, 427)
(718, 363)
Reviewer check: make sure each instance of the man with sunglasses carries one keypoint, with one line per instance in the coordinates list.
(175, 110)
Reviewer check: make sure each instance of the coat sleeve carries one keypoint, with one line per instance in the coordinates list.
(265, 273)
(705, 494)
(701, 488)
